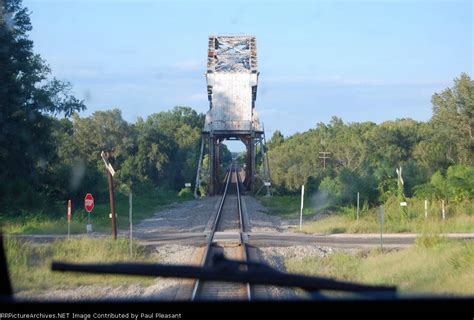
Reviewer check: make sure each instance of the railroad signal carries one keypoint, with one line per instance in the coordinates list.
(110, 173)
(108, 166)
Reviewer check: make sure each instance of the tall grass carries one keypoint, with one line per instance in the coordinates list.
(286, 206)
(29, 264)
(459, 217)
(441, 267)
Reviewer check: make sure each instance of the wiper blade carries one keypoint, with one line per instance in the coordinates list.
(225, 270)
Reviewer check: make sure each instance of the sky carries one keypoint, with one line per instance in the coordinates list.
(357, 60)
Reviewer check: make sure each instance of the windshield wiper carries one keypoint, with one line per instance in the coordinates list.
(226, 270)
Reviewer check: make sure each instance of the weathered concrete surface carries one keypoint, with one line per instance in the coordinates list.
(232, 103)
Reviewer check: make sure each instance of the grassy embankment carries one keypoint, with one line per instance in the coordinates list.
(433, 266)
(144, 205)
(30, 264)
(459, 218)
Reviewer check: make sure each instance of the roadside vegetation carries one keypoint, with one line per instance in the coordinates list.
(30, 263)
(435, 160)
(433, 266)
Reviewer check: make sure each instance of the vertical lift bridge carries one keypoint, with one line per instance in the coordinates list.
(232, 79)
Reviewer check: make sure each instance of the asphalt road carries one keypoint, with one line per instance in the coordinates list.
(268, 239)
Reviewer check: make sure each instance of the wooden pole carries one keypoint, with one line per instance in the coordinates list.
(130, 217)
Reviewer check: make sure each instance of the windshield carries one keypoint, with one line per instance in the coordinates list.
(327, 139)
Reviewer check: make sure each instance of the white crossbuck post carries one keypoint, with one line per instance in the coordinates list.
(301, 211)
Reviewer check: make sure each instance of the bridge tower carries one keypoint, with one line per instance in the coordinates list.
(232, 80)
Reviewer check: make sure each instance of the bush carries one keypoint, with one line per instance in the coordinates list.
(185, 193)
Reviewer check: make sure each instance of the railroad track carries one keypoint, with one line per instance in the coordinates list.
(229, 217)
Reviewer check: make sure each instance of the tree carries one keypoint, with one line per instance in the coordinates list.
(453, 118)
(276, 140)
(27, 97)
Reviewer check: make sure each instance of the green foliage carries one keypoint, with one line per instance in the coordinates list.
(436, 156)
(453, 120)
(185, 193)
(28, 98)
(276, 140)
(456, 186)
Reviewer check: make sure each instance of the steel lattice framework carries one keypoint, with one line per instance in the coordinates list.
(232, 54)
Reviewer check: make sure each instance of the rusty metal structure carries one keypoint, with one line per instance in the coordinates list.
(232, 80)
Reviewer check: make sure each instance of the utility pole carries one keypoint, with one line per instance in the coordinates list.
(110, 172)
(324, 157)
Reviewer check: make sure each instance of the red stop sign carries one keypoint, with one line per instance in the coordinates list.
(89, 202)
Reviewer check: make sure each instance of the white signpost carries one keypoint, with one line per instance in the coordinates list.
(357, 206)
(381, 220)
(301, 211)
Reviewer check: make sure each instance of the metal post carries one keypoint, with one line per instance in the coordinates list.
(253, 154)
(130, 218)
(301, 211)
(269, 179)
(357, 206)
(426, 208)
(112, 205)
(212, 187)
(198, 181)
(443, 209)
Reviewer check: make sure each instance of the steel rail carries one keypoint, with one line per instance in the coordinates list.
(210, 239)
(242, 230)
